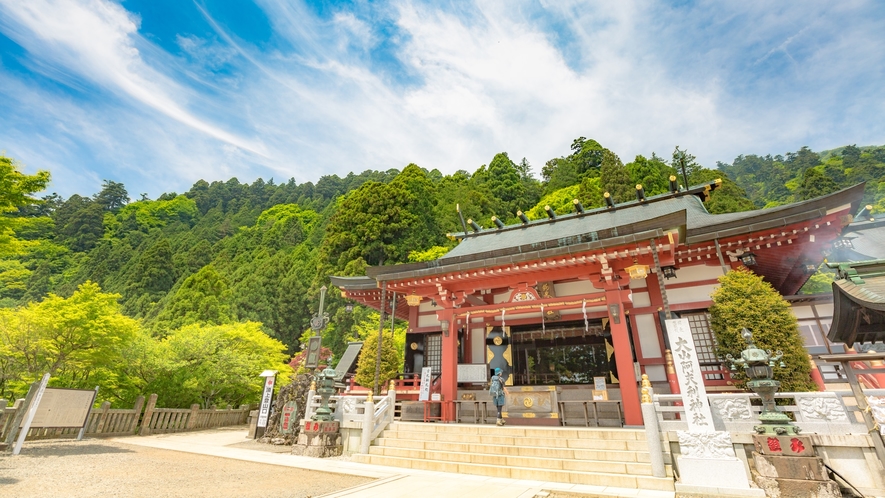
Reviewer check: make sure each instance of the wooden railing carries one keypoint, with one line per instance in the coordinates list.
(108, 422)
(167, 420)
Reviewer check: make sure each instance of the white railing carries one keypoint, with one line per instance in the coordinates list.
(356, 412)
(829, 412)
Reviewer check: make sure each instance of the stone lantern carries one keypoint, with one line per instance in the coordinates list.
(758, 365)
(326, 389)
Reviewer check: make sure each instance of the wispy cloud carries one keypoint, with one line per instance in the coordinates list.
(443, 85)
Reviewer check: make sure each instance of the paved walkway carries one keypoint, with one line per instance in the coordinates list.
(392, 482)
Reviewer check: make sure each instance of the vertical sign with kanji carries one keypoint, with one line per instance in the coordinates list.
(424, 392)
(264, 410)
(691, 381)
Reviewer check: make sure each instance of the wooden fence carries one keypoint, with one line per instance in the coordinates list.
(107, 422)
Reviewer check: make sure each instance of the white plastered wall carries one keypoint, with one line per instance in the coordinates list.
(649, 342)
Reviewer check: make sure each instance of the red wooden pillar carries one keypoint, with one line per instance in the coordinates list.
(449, 367)
(671, 373)
(816, 376)
(623, 358)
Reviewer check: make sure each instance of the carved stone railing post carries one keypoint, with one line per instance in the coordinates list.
(652, 435)
(368, 423)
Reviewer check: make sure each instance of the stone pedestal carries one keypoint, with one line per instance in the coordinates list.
(786, 467)
(708, 467)
(318, 439)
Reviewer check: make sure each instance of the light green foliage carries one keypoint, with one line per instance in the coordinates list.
(215, 365)
(145, 215)
(14, 276)
(561, 201)
(16, 192)
(821, 282)
(283, 225)
(744, 300)
(77, 340)
(431, 254)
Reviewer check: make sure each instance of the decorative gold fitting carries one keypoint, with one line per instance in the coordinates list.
(313, 385)
(392, 386)
(646, 399)
(645, 381)
(668, 358)
(868, 409)
(369, 398)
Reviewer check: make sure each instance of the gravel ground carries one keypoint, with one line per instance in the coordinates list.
(98, 468)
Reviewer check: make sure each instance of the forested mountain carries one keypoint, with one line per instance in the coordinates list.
(224, 253)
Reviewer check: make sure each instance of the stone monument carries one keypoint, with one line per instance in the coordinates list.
(707, 463)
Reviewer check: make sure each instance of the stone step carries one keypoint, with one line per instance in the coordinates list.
(514, 472)
(521, 431)
(514, 439)
(518, 451)
(559, 462)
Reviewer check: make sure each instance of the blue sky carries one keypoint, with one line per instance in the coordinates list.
(160, 93)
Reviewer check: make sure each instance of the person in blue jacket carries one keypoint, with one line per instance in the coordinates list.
(497, 391)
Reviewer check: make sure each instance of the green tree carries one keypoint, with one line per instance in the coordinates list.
(79, 223)
(203, 297)
(653, 174)
(216, 365)
(815, 184)
(584, 162)
(745, 300)
(113, 196)
(615, 178)
(77, 340)
(392, 349)
(369, 226)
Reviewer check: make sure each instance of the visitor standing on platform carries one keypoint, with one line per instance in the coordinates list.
(496, 390)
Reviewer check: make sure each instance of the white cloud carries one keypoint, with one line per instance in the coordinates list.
(448, 91)
(97, 39)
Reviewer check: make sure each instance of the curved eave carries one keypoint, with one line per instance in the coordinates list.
(720, 226)
(858, 311)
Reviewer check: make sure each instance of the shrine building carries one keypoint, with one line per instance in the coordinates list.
(570, 298)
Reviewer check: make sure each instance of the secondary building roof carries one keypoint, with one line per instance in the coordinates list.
(858, 302)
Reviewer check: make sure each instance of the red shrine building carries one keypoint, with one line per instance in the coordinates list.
(570, 298)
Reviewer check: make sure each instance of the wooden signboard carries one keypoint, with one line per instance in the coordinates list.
(62, 408)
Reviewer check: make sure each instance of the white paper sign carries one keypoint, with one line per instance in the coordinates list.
(424, 394)
(691, 381)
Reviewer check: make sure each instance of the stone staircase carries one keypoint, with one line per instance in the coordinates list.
(593, 456)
